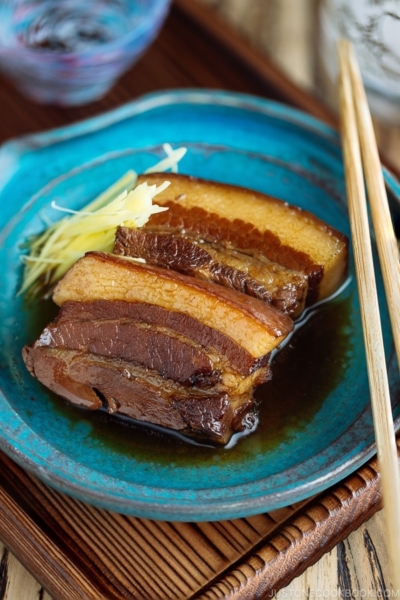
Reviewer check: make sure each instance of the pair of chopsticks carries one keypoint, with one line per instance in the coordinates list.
(360, 151)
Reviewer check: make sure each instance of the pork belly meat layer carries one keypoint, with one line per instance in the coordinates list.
(181, 325)
(284, 288)
(94, 382)
(144, 336)
(254, 223)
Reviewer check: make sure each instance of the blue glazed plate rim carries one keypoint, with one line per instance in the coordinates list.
(143, 504)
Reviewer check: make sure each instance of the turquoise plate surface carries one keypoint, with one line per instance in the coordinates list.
(313, 433)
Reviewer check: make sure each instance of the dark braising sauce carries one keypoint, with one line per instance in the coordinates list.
(305, 371)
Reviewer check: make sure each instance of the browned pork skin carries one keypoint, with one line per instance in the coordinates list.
(255, 223)
(284, 288)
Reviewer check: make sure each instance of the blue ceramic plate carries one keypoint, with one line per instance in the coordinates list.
(315, 422)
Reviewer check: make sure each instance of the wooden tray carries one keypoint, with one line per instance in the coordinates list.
(79, 552)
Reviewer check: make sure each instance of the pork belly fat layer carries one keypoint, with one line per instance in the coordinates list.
(284, 288)
(285, 234)
(91, 382)
(254, 325)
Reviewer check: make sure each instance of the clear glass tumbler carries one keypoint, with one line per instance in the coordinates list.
(72, 51)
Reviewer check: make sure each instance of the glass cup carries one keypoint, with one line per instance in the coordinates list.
(70, 52)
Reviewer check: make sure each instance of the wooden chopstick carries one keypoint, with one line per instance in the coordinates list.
(356, 126)
(383, 225)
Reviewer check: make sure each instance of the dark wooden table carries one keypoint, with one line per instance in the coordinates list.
(193, 50)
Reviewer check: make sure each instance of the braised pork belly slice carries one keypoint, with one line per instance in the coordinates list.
(255, 223)
(96, 382)
(284, 288)
(118, 330)
(253, 325)
(157, 346)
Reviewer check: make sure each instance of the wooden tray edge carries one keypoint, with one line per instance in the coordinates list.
(304, 539)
